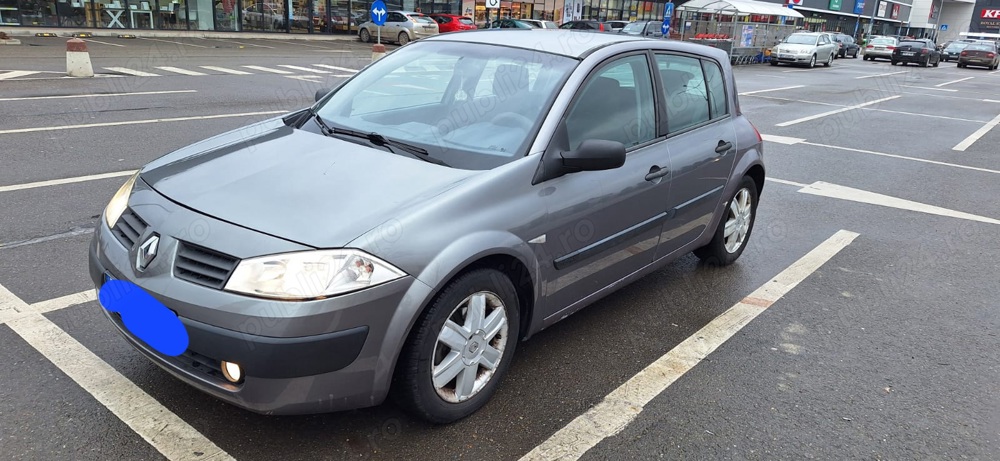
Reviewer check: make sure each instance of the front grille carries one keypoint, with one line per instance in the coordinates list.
(129, 227)
(203, 266)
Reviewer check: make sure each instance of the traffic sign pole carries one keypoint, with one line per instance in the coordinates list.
(378, 16)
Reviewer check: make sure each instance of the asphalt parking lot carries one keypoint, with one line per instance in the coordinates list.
(861, 322)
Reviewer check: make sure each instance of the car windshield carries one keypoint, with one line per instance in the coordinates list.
(797, 39)
(956, 47)
(633, 28)
(477, 109)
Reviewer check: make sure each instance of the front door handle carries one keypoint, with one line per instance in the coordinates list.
(655, 172)
(723, 147)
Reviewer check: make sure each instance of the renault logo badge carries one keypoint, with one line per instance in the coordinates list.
(146, 252)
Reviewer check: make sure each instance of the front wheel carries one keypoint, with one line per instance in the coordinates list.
(774, 62)
(403, 38)
(893, 62)
(460, 348)
(734, 228)
(365, 36)
(812, 61)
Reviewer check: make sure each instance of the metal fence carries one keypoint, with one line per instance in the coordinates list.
(746, 42)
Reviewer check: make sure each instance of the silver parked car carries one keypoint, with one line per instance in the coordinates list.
(400, 27)
(540, 24)
(400, 239)
(880, 47)
(805, 48)
(643, 29)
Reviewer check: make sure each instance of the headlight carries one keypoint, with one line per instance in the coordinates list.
(119, 202)
(310, 274)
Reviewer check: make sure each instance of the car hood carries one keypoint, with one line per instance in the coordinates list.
(300, 186)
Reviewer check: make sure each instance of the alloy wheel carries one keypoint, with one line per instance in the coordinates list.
(469, 347)
(738, 220)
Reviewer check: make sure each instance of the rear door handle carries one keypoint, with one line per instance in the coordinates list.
(723, 147)
(655, 172)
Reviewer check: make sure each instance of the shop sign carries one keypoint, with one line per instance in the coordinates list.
(835, 5)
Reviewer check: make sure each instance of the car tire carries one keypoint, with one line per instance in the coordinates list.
(925, 62)
(829, 61)
(812, 62)
(426, 347)
(366, 37)
(774, 62)
(741, 210)
(960, 65)
(403, 38)
(855, 55)
(937, 63)
(894, 63)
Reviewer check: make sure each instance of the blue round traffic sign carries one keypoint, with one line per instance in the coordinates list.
(378, 12)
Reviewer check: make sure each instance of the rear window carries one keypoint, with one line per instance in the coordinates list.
(977, 47)
(884, 41)
(423, 19)
(913, 44)
(956, 47)
(466, 21)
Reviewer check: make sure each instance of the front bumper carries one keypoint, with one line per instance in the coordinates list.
(298, 357)
(792, 58)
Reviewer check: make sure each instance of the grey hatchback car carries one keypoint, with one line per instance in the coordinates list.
(400, 240)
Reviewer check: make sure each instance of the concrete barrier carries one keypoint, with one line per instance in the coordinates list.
(378, 51)
(78, 59)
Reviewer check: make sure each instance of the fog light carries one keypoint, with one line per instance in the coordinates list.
(232, 372)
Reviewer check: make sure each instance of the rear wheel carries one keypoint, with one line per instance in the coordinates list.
(937, 63)
(734, 228)
(773, 62)
(365, 36)
(925, 62)
(894, 63)
(403, 38)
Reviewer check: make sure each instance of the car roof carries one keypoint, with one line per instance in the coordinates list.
(564, 42)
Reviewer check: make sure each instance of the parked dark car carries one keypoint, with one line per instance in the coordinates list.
(981, 55)
(917, 51)
(405, 241)
(643, 29)
(596, 26)
(509, 24)
(952, 50)
(616, 25)
(846, 46)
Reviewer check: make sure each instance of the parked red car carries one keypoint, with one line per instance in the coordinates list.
(452, 22)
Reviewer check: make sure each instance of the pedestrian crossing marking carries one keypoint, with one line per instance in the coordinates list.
(16, 73)
(226, 71)
(304, 69)
(342, 69)
(268, 69)
(179, 70)
(126, 70)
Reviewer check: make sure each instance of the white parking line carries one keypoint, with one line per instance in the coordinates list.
(157, 425)
(772, 89)
(832, 112)
(98, 95)
(954, 81)
(825, 189)
(623, 405)
(791, 141)
(56, 182)
(138, 122)
(226, 71)
(882, 75)
(978, 134)
(928, 88)
(126, 70)
(178, 70)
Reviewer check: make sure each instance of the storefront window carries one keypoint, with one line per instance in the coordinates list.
(300, 16)
(37, 13)
(226, 17)
(263, 15)
(359, 11)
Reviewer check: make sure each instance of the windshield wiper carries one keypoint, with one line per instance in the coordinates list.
(379, 140)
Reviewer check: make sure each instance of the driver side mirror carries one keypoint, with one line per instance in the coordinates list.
(591, 155)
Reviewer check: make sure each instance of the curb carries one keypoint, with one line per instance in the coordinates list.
(114, 33)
